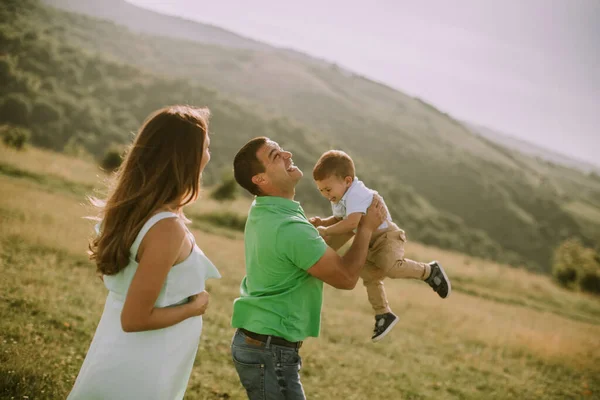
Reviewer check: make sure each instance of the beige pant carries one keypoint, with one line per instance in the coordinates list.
(385, 259)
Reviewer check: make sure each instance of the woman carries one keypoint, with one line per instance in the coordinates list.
(147, 338)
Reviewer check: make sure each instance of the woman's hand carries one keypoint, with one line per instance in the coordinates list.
(199, 303)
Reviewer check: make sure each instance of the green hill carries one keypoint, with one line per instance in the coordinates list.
(79, 102)
(82, 83)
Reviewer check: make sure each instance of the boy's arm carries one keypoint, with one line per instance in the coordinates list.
(343, 272)
(344, 226)
(318, 221)
(330, 221)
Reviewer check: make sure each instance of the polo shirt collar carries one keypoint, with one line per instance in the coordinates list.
(277, 201)
(354, 182)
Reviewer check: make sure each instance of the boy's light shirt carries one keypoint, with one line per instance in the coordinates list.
(357, 198)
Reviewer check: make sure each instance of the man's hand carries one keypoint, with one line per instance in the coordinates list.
(322, 231)
(376, 214)
(316, 221)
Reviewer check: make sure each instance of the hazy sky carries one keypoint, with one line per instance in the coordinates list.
(528, 68)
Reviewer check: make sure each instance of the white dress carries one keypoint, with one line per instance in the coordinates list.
(152, 364)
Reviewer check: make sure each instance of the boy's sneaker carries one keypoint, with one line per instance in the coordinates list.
(383, 325)
(438, 280)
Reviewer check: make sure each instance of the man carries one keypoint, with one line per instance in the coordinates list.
(287, 262)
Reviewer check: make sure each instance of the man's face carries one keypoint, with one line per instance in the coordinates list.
(333, 187)
(280, 171)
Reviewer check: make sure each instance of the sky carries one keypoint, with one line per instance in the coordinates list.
(527, 68)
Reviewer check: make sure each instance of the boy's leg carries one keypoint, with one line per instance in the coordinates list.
(385, 319)
(405, 268)
(373, 280)
(389, 255)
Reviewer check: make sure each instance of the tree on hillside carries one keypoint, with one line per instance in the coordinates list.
(15, 109)
(44, 111)
(576, 266)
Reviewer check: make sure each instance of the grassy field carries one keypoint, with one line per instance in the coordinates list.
(504, 333)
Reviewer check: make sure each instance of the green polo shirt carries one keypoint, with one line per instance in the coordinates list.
(278, 297)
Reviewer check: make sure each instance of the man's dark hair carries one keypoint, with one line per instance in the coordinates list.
(246, 165)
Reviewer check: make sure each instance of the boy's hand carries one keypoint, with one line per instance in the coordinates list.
(316, 221)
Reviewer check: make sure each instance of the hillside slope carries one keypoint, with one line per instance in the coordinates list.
(445, 185)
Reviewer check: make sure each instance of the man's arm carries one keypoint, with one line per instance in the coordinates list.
(336, 242)
(343, 272)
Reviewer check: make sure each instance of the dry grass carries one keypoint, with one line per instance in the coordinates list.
(503, 333)
(50, 163)
(49, 219)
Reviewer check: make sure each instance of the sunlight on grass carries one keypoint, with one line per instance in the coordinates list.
(46, 162)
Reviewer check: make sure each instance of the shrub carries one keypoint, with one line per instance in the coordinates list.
(565, 276)
(15, 137)
(589, 281)
(575, 266)
(111, 161)
(227, 190)
(588, 278)
(226, 219)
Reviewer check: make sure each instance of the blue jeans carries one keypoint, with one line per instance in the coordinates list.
(267, 371)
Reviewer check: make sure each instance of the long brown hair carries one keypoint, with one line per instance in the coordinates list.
(161, 167)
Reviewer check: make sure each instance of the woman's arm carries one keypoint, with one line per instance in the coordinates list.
(159, 251)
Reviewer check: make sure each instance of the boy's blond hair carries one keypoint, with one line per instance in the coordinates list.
(333, 162)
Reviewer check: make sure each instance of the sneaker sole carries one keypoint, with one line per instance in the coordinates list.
(389, 328)
(446, 278)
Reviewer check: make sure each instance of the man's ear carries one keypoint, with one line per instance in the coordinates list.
(259, 179)
(348, 180)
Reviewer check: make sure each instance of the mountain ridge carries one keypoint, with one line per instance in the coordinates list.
(532, 149)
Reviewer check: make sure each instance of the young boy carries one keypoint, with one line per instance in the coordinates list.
(350, 198)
